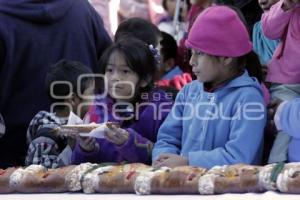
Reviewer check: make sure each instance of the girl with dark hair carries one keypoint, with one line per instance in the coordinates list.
(139, 28)
(210, 123)
(130, 100)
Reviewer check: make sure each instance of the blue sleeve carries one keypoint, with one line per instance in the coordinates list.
(170, 132)
(290, 118)
(263, 46)
(245, 140)
(258, 42)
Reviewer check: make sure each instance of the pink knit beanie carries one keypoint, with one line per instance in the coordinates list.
(219, 31)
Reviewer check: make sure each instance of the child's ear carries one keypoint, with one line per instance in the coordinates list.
(228, 61)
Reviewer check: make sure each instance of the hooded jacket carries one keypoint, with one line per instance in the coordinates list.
(287, 119)
(35, 34)
(150, 112)
(220, 128)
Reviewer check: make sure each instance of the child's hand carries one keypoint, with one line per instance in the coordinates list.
(116, 135)
(161, 159)
(289, 4)
(87, 143)
(170, 160)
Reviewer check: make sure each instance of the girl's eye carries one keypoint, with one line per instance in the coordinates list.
(125, 71)
(108, 70)
(199, 53)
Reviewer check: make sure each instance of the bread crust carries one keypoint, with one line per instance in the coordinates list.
(82, 128)
(76, 129)
(50, 181)
(235, 179)
(4, 180)
(113, 179)
(179, 180)
(288, 181)
(143, 179)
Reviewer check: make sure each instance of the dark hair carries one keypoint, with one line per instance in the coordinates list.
(164, 4)
(224, 2)
(66, 70)
(139, 28)
(138, 58)
(250, 9)
(168, 46)
(236, 3)
(249, 61)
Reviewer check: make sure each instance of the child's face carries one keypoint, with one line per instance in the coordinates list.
(266, 4)
(122, 82)
(171, 5)
(208, 68)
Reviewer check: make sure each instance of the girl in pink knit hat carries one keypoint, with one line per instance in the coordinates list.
(219, 118)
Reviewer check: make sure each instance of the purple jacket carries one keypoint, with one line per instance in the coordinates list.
(148, 116)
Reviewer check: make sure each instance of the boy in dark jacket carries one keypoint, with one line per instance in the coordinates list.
(46, 146)
(34, 36)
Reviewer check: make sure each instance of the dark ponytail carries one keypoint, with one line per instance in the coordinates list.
(251, 63)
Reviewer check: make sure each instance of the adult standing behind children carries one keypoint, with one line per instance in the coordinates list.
(35, 35)
(282, 22)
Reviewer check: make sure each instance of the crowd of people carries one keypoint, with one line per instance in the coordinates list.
(200, 82)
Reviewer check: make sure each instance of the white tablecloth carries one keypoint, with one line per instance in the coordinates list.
(80, 196)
